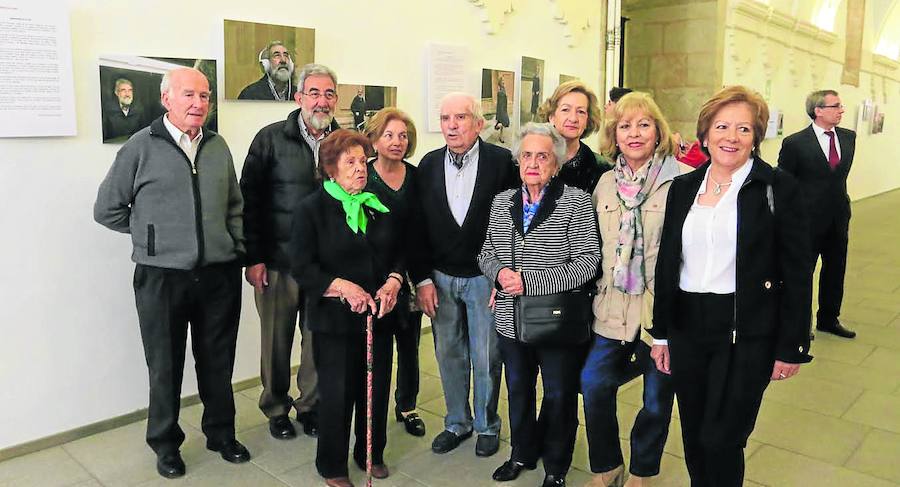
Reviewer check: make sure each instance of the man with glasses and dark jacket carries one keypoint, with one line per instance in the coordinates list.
(280, 170)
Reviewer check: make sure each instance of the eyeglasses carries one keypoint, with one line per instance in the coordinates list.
(838, 106)
(316, 94)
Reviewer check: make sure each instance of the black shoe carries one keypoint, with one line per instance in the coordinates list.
(447, 441)
(510, 470)
(837, 329)
(310, 422)
(412, 422)
(280, 428)
(554, 481)
(170, 465)
(487, 445)
(231, 450)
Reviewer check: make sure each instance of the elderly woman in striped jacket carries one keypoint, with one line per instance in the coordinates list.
(551, 231)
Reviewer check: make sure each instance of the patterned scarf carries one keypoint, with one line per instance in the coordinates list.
(353, 205)
(632, 189)
(529, 208)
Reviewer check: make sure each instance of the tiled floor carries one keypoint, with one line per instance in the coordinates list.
(836, 424)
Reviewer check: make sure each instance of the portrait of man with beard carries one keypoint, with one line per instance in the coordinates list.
(122, 116)
(277, 80)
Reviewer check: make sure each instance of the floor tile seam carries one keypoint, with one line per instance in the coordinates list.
(254, 460)
(851, 404)
(279, 480)
(814, 459)
(79, 463)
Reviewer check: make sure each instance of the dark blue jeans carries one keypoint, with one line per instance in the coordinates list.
(609, 365)
(552, 436)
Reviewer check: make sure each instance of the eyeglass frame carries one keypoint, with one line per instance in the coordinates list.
(329, 95)
(839, 106)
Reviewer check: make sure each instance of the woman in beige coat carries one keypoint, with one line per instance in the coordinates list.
(630, 201)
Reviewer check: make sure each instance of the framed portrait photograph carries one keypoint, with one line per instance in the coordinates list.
(531, 82)
(357, 103)
(262, 60)
(497, 97)
(129, 92)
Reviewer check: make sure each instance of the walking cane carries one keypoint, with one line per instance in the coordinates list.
(369, 365)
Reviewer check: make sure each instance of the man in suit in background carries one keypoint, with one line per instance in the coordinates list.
(820, 157)
(458, 182)
(358, 108)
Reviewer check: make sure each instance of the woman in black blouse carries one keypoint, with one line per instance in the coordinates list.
(574, 111)
(393, 135)
(346, 258)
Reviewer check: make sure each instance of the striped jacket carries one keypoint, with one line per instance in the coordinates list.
(560, 252)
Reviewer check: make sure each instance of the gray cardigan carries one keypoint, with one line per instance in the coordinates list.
(177, 219)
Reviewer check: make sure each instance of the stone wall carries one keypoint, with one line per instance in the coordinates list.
(670, 52)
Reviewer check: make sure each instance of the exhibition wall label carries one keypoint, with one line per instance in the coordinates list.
(36, 99)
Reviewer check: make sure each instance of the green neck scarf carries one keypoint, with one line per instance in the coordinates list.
(353, 205)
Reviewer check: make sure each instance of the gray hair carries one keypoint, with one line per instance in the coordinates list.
(313, 69)
(547, 130)
(164, 84)
(268, 49)
(474, 106)
(816, 99)
(122, 81)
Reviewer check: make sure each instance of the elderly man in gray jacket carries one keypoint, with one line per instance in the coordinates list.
(173, 188)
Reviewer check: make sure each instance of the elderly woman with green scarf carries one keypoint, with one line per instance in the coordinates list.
(630, 201)
(346, 259)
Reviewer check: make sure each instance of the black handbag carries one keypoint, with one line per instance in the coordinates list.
(553, 319)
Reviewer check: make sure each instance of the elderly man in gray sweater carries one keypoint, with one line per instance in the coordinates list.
(173, 188)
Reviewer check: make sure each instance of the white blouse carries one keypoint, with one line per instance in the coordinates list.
(709, 240)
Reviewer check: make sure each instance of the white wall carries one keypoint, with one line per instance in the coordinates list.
(785, 61)
(70, 352)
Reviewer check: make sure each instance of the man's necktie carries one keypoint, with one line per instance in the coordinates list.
(833, 158)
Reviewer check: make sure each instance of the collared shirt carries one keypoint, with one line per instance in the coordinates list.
(709, 240)
(312, 142)
(825, 141)
(125, 109)
(460, 183)
(184, 141)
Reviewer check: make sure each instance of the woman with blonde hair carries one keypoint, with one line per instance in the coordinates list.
(574, 111)
(630, 202)
(393, 136)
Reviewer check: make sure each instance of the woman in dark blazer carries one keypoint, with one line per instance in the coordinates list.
(393, 135)
(347, 260)
(574, 111)
(552, 230)
(733, 287)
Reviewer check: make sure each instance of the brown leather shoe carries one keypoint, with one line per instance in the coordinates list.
(339, 482)
(380, 471)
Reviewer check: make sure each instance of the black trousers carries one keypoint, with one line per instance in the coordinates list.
(830, 243)
(552, 436)
(719, 385)
(341, 363)
(209, 298)
(407, 339)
